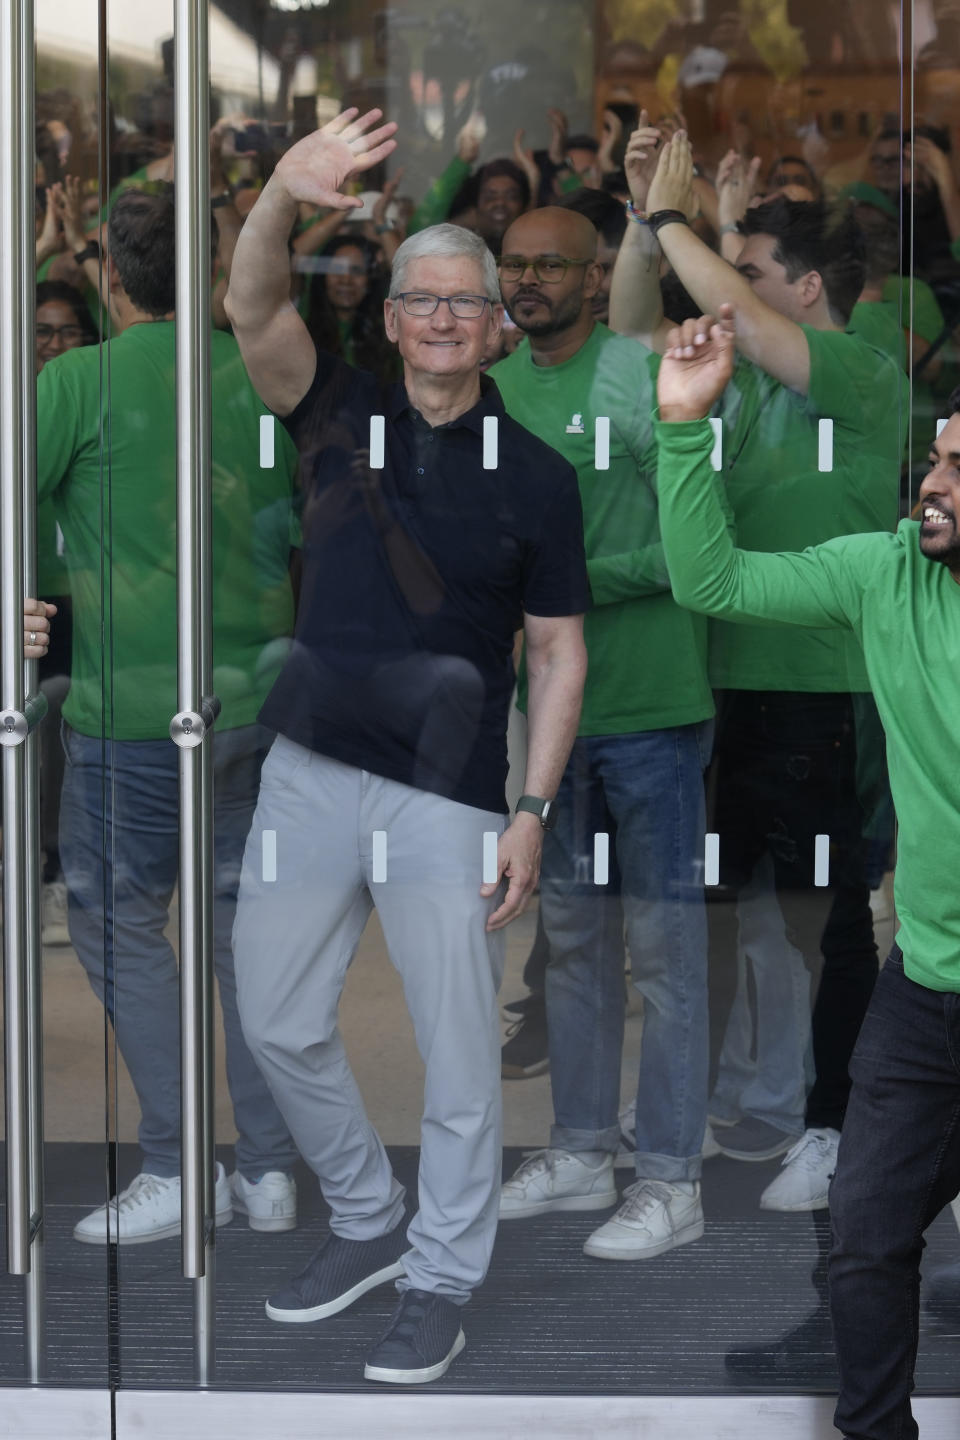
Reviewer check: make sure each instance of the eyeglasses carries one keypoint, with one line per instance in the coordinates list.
(69, 334)
(463, 307)
(549, 269)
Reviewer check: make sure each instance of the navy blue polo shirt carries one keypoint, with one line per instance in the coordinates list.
(415, 578)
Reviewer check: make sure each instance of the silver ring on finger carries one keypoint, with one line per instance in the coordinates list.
(33, 637)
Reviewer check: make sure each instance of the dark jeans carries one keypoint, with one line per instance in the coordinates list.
(899, 1165)
(786, 771)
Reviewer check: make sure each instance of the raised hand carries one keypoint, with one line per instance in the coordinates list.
(736, 185)
(672, 186)
(557, 149)
(314, 170)
(70, 206)
(696, 366)
(528, 165)
(610, 137)
(470, 138)
(382, 204)
(48, 241)
(640, 160)
(936, 163)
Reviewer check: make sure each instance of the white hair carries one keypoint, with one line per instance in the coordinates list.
(445, 240)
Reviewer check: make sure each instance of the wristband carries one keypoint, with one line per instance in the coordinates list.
(224, 198)
(90, 251)
(637, 216)
(731, 228)
(659, 218)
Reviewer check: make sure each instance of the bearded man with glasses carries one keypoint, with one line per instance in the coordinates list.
(634, 778)
(434, 527)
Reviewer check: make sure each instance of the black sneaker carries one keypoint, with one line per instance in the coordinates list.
(532, 1001)
(526, 1051)
(339, 1273)
(423, 1337)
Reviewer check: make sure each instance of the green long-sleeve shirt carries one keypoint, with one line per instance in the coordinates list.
(905, 611)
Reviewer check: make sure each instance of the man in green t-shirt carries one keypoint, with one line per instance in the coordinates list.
(106, 455)
(899, 596)
(821, 458)
(628, 842)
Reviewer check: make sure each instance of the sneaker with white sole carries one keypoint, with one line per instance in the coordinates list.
(551, 1180)
(53, 914)
(337, 1275)
(149, 1209)
(269, 1203)
(656, 1216)
(805, 1175)
(423, 1337)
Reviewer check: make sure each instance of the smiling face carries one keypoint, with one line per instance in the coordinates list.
(441, 344)
(940, 500)
(499, 202)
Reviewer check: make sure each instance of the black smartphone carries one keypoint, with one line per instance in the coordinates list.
(252, 138)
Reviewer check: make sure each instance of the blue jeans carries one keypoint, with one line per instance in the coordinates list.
(119, 847)
(898, 1166)
(646, 792)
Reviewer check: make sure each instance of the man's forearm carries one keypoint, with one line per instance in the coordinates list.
(709, 279)
(636, 304)
(260, 275)
(555, 696)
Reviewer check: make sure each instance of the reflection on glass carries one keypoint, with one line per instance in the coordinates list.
(716, 1083)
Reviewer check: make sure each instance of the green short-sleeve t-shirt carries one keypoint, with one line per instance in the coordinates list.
(647, 667)
(878, 323)
(792, 482)
(107, 458)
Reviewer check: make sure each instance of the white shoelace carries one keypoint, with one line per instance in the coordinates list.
(140, 1191)
(643, 1197)
(812, 1149)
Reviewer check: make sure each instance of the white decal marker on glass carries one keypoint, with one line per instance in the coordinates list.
(491, 442)
(821, 860)
(490, 842)
(269, 839)
(601, 443)
(825, 446)
(941, 426)
(266, 442)
(711, 860)
(377, 441)
(379, 857)
(601, 858)
(716, 454)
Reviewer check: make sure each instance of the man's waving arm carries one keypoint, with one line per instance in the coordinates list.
(276, 345)
(818, 588)
(766, 337)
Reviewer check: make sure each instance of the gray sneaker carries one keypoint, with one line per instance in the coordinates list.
(753, 1139)
(337, 1275)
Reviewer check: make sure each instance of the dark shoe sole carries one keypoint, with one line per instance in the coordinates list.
(416, 1377)
(341, 1302)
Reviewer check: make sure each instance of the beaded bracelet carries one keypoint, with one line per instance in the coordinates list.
(635, 215)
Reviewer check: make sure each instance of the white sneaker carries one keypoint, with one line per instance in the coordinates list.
(655, 1216)
(149, 1209)
(805, 1174)
(558, 1180)
(53, 913)
(270, 1202)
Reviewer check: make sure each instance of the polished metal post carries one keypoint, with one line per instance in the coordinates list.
(35, 1328)
(191, 727)
(19, 710)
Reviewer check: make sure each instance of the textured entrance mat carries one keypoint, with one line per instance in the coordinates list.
(740, 1309)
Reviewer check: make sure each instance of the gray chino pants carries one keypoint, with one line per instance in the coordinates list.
(294, 938)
